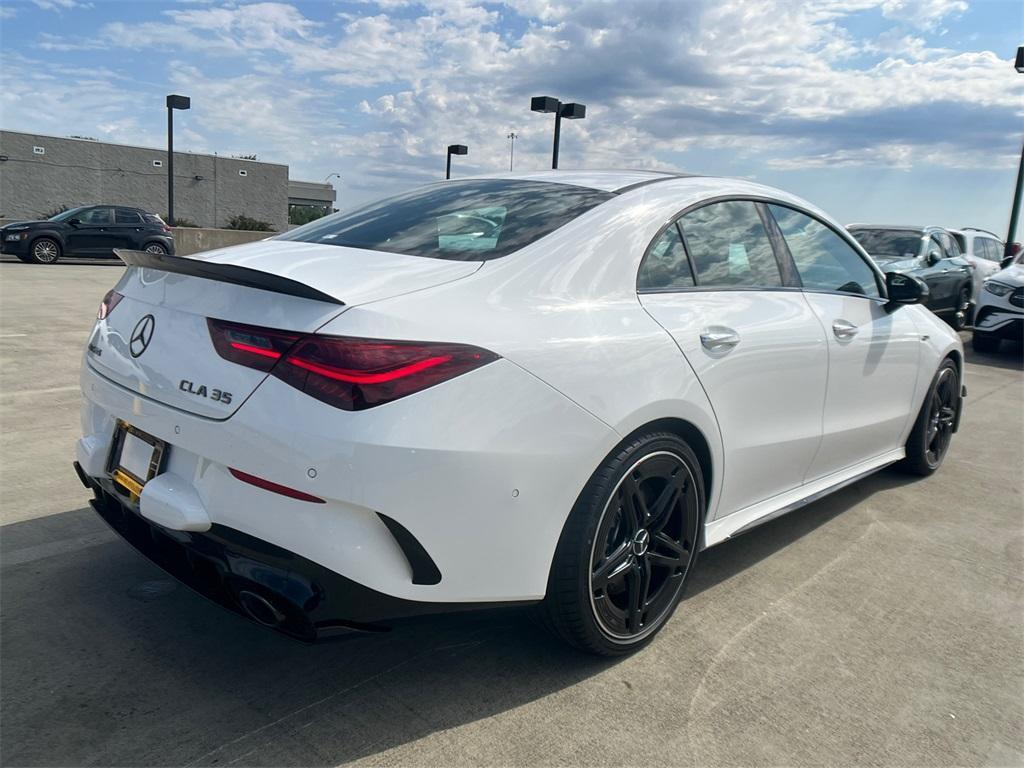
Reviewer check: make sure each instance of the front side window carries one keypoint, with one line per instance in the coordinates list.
(949, 246)
(823, 259)
(729, 246)
(97, 216)
(666, 266)
(459, 221)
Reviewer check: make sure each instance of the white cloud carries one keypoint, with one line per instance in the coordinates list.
(924, 14)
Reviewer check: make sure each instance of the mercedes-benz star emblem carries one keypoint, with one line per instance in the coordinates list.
(142, 335)
(641, 542)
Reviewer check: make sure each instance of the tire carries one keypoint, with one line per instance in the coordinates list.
(621, 566)
(44, 250)
(962, 314)
(933, 430)
(985, 343)
(156, 248)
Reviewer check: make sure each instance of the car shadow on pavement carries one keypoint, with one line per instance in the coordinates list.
(108, 661)
(1010, 356)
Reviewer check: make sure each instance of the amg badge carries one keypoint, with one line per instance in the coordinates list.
(199, 390)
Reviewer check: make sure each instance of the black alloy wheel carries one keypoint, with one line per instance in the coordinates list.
(643, 546)
(628, 547)
(933, 431)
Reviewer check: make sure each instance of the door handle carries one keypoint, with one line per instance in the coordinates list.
(718, 338)
(844, 330)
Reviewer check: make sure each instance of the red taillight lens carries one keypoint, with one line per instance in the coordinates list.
(107, 305)
(267, 485)
(354, 374)
(250, 345)
(348, 373)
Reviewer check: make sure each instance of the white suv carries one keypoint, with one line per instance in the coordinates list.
(983, 251)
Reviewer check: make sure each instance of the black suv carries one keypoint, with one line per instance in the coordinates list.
(92, 230)
(928, 253)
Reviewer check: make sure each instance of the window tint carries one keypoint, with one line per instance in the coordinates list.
(949, 246)
(459, 220)
(666, 265)
(124, 216)
(824, 260)
(993, 250)
(889, 243)
(97, 216)
(729, 246)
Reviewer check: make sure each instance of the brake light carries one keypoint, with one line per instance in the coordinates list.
(250, 345)
(107, 305)
(349, 373)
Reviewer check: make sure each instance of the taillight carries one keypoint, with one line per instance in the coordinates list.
(349, 373)
(355, 374)
(250, 345)
(107, 305)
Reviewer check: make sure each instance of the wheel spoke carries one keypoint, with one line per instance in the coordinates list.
(633, 505)
(613, 567)
(661, 511)
(666, 552)
(639, 584)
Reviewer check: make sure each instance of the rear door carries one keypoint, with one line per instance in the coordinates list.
(713, 282)
(872, 352)
(127, 229)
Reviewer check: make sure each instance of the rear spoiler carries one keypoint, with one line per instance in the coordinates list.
(224, 273)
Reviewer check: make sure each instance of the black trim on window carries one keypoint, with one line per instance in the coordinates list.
(783, 256)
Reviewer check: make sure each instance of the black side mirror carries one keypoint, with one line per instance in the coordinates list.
(1006, 261)
(75, 222)
(933, 257)
(904, 289)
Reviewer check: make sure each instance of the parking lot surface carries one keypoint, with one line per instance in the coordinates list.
(883, 625)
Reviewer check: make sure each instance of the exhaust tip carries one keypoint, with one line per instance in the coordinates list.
(259, 609)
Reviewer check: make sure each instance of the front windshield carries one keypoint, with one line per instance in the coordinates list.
(68, 214)
(889, 243)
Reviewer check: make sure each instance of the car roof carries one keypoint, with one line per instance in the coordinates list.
(612, 180)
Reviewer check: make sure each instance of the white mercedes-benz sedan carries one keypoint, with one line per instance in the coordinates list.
(551, 388)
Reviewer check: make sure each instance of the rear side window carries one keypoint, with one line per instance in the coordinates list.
(823, 259)
(459, 221)
(666, 266)
(97, 216)
(123, 216)
(729, 246)
(993, 249)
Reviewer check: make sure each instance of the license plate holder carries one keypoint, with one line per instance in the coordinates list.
(136, 457)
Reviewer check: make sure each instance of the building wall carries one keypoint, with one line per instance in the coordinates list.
(79, 172)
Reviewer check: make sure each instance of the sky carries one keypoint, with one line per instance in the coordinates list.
(886, 111)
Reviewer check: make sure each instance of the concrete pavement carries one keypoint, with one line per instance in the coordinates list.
(883, 625)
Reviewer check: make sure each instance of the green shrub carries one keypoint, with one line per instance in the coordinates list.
(181, 221)
(303, 214)
(248, 224)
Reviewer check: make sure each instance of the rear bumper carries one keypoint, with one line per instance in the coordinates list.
(307, 601)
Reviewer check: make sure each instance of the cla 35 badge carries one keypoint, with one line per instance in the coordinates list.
(142, 334)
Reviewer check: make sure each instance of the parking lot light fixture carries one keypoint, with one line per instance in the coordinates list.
(173, 102)
(570, 111)
(454, 149)
(1015, 208)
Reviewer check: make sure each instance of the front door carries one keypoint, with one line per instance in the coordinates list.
(94, 234)
(752, 340)
(873, 352)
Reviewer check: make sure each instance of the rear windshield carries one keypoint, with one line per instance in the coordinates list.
(889, 243)
(456, 220)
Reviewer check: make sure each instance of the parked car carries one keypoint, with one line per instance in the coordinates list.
(368, 417)
(91, 230)
(984, 251)
(1000, 312)
(928, 253)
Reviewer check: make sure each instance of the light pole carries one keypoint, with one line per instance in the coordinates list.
(173, 102)
(571, 111)
(512, 148)
(454, 149)
(330, 176)
(1015, 210)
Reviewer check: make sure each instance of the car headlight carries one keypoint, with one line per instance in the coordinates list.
(15, 236)
(999, 289)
